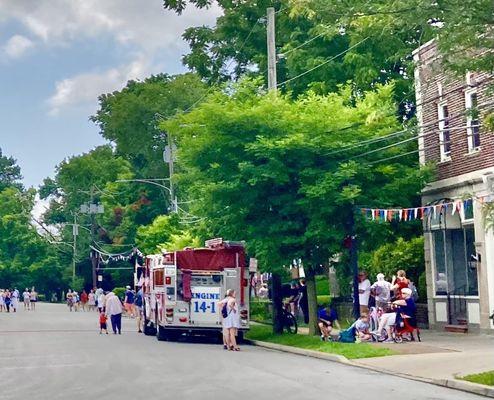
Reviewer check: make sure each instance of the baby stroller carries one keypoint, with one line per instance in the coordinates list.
(374, 315)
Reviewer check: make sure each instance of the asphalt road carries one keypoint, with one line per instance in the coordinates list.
(55, 354)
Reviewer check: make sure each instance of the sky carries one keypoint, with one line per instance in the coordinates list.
(58, 56)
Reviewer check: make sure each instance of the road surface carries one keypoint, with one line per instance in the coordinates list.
(54, 354)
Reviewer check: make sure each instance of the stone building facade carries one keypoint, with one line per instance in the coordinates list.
(459, 250)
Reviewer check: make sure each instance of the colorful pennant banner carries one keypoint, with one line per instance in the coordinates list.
(461, 207)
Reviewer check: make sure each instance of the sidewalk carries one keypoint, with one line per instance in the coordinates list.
(440, 355)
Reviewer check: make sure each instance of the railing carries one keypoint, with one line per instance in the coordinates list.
(457, 306)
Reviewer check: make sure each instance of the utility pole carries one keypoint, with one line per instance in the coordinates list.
(173, 199)
(272, 81)
(75, 232)
(94, 260)
(354, 263)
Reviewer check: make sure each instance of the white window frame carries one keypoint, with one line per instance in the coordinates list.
(468, 105)
(445, 155)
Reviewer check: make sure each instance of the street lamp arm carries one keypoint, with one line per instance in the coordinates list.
(145, 181)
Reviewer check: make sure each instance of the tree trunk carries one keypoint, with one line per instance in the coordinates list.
(277, 304)
(310, 280)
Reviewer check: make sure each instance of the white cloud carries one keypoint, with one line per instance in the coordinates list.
(84, 89)
(17, 45)
(141, 30)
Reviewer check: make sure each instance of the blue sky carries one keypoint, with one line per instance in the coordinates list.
(57, 56)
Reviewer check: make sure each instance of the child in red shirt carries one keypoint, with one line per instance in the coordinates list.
(102, 323)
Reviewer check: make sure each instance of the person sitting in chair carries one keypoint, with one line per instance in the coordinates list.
(405, 307)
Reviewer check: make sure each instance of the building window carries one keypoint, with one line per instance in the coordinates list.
(473, 122)
(444, 132)
(454, 273)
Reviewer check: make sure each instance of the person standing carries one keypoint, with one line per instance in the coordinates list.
(2, 300)
(304, 301)
(129, 301)
(84, 298)
(102, 323)
(101, 299)
(399, 282)
(14, 302)
(34, 298)
(114, 309)
(364, 292)
(70, 302)
(138, 304)
(26, 297)
(8, 299)
(231, 320)
(381, 290)
(91, 300)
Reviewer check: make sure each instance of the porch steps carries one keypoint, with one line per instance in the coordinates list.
(456, 328)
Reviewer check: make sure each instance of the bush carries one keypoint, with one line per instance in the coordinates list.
(323, 300)
(260, 311)
(41, 297)
(402, 254)
(322, 285)
(422, 288)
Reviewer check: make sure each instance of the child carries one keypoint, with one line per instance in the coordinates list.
(362, 328)
(102, 323)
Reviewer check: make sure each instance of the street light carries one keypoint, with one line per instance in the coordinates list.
(152, 181)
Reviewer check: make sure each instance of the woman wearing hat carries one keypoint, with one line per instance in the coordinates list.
(405, 306)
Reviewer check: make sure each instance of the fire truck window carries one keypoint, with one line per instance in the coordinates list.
(159, 277)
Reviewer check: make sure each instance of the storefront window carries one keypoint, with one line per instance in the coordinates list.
(455, 273)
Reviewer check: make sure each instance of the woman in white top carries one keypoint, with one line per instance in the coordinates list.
(2, 300)
(91, 300)
(232, 320)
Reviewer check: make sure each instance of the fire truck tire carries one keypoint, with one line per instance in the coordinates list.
(240, 337)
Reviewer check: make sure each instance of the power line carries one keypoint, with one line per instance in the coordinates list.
(323, 63)
(453, 117)
(400, 132)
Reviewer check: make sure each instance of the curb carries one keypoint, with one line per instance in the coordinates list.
(466, 386)
(301, 352)
(455, 384)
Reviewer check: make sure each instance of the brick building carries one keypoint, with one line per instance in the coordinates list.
(459, 251)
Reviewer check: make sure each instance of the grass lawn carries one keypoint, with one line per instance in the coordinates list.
(349, 350)
(485, 378)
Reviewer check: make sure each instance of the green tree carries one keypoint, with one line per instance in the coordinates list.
(151, 238)
(463, 29)
(10, 172)
(261, 168)
(129, 118)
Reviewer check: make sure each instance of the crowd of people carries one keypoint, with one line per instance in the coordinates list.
(109, 306)
(10, 299)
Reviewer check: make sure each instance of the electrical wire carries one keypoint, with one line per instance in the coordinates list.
(323, 63)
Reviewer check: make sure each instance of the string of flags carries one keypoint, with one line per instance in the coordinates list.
(105, 258)
(459, 207)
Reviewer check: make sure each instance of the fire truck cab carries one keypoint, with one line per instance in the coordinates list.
(182, 289)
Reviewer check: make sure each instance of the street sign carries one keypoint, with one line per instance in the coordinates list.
(100, 278)
(167, 154)
(253, 265)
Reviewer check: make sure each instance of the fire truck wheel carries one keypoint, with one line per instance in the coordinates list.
(240, 337)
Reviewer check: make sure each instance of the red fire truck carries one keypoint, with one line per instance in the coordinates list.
(182, 289)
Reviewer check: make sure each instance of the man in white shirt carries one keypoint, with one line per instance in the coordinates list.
(381, 289)
(364, 286)
(114, 310)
